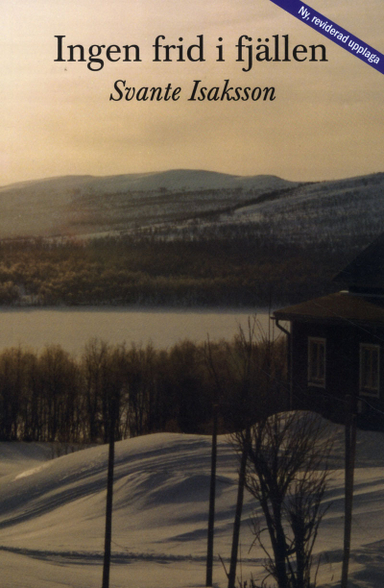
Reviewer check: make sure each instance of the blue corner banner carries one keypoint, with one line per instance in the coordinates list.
(333, 32)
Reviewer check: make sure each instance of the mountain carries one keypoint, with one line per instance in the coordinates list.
(182, 200)
(172, 180)
(322, 211)
(87, 205)
(52, 514)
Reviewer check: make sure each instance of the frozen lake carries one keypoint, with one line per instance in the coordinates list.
(73, 328)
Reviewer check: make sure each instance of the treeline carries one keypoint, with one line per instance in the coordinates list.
(240, 269)
(53, 396)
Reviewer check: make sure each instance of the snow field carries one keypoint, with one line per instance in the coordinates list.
(52, 515)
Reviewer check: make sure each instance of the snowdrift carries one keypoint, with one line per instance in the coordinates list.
(52, 514)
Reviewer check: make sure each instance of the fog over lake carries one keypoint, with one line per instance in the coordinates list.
(72, 328)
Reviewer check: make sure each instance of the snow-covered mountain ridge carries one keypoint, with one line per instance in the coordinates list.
(175, 199)
(178, 179)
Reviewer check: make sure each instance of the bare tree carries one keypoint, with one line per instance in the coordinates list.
(287, 474)
(247, 371)
(93, 367)
(259, 383)
(248, 378)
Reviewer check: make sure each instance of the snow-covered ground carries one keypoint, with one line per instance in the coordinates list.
(52, 515)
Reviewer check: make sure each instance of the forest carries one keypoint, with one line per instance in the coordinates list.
(232, 267)
(57, 397)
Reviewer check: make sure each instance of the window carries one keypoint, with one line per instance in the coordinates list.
(369, 369)
(316, 362)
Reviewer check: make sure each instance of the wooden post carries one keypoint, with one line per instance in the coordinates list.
(350, 453)
(212, 496)
(108, 515)
(239, 509)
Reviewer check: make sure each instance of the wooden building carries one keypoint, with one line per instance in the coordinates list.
(336, 344)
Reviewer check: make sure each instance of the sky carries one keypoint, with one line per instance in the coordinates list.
(56, 117)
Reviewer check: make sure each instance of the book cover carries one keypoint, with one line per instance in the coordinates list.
(168, 170)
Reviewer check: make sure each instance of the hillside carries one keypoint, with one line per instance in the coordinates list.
(52, 515)
(84, 205)
(189, 202)
(322, 211)
(181, 238)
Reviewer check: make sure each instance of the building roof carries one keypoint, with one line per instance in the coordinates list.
(366, 271)
(342, 307)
